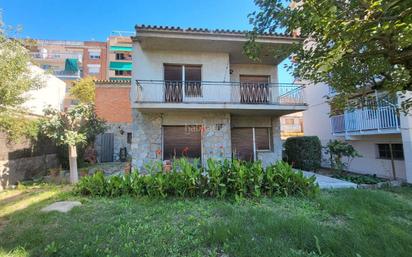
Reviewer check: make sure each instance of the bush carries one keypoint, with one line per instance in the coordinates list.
(304, 152)
(188, 179)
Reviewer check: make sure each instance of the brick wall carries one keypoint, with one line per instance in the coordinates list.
(112, 103)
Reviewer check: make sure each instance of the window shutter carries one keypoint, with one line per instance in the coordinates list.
(242, 143)
(262, 138)
(181, 141)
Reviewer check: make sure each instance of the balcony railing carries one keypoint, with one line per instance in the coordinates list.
(379, 119)
(65, 75)
(172, 91)
(56, 56)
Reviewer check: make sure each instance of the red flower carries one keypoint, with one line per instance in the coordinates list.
(185, 150)
(158, 152)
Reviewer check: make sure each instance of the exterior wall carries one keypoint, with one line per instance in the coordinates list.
(50, 94)
(113, 104)
(253, 69)
(317, 123)
(102, 47)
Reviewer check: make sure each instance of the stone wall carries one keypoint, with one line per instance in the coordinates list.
(24, 159)
(147, 142)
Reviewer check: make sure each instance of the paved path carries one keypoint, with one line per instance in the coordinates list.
(326, 182)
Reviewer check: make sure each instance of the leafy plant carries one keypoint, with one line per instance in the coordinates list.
(220, 179)
(84, 90)
(337, 150)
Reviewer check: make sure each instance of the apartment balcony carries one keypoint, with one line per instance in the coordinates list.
(56, 56)
(66, 75)
(367, 121)
(236, 97)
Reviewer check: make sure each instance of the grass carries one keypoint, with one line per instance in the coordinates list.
(336, 223)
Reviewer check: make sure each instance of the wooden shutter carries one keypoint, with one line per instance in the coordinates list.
(242, 143)
(181, 141)
(262, 138)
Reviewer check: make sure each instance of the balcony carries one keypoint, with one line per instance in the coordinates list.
(367, 121)
(56, 56)
(279, 98)
(66, 75)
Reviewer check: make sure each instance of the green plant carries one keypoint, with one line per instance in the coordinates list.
(359, 179)
(235, 178)
(337, 150)
(304, 152)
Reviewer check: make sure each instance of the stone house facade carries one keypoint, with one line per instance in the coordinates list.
(195, 94)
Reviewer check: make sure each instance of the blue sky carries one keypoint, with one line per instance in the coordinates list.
(96, 19)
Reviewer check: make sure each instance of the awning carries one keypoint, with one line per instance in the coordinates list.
(71, 65)
(121, 48)
(120, 66)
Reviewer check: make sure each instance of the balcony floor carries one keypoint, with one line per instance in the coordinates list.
(262, 109)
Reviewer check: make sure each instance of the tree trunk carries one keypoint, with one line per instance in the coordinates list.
(74, 176)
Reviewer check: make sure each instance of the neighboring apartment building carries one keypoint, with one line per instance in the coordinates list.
(195, 94)
(113, 105)
(119, 54)
(291, 125)
(70, 60)
(376, 130)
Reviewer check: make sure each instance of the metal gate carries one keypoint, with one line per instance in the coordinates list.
(106, 143)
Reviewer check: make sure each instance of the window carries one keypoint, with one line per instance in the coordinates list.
(123, 56)
(94, 68)
(129, 137)
(94, 54)
(254, 89)
(181, 141)
(244, 145)
(120, 56)
(262, 138)
(384, 151)
(182, 79)
(123, 72)
(289, 121)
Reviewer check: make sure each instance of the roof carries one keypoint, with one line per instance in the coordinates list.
(112, 82)
(147, 28)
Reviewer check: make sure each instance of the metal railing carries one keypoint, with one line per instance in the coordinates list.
(366, 119)
(62, 74)
(56, 56)
(176, 91)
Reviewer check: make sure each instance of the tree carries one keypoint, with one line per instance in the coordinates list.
(78, 125)
(352, 46)
(15, 79)
(84, 90)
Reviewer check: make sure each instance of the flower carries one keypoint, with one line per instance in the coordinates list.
(185, 150)
(158, 152)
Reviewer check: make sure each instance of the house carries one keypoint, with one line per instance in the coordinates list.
(119, 55)
(195, 94)
(113, 105)
(375, 129)
(291, 125)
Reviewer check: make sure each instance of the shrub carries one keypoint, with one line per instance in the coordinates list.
(188, 179)
(336, 150)
(304, 152)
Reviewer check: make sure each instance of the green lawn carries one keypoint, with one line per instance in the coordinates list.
(336, 223)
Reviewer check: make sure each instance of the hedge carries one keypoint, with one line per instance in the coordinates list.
(304, 152)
